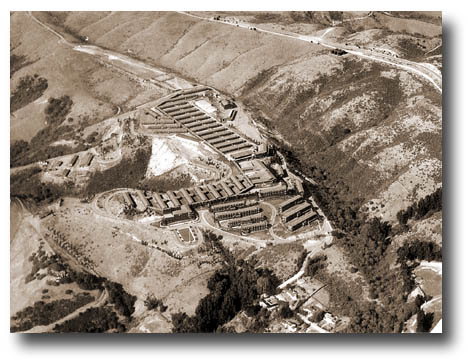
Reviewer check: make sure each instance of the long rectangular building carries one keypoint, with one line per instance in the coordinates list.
(237, 183)
(186, 196)
(228, 143)
(215, 192)
(303, 220)
(225, 215)
(192, 110)
(296, 211)
(206, 132)
(200, 193)
(250, 228)
(246, 220)
(227, 189)
(178, 107)
(242, 154)
(173, 198)
(290, 203)
(162, 204)
(73, 160)
(143, 199)
(87, 160)
(228, 206)
(233, 148)
(129, 199)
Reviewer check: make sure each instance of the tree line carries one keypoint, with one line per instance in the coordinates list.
(419, 209)
(234, 287)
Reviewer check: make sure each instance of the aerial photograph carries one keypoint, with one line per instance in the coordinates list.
(225, 172)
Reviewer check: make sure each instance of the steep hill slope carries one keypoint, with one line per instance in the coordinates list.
(96, 90)
(374, 129)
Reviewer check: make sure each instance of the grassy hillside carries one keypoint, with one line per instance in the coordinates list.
(96, 90)
(359, 122)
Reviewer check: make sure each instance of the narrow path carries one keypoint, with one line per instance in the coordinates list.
(301, 271)
(49, 328)
(48, 28)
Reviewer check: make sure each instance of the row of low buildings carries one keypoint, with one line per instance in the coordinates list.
(156, 124)
(245, 216)
(296, 213)
(204, 126)
(82, 161)
(172, 202)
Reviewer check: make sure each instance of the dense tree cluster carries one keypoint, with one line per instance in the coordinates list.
(367, 248)
(17, 62)
(236, 286)
(42, 313)
(315, 264)
(285, 311)
(40, 148)
(419, 209)
(27, 185)
(166, 182)
(365, 242)
(128, 173)
(153, 303)
(419, 250)
(301, 259)
(124, 302)
(424, 321)
(57, 110)
(29, 88)
(94, 320)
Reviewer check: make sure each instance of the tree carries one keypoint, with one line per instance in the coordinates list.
(424, 321)
(285, 311)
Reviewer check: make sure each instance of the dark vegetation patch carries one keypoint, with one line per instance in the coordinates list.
(17, 62)
(104, 318)
(301, 259)
(166, 182)
(340, 194)
(94, 320)
(57, 110)
(315, 264)
(425, 207)
(153, 303)
(39, 148)
(412, 49)
(233, 288)
(419, 250)
(27, 185)
(424, 321)
(29, 89)
(128, 173)
(42, 313)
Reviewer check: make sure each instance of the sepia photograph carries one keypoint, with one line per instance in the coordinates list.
(255, 172)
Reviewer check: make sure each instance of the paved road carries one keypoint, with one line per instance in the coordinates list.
(435, 78)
